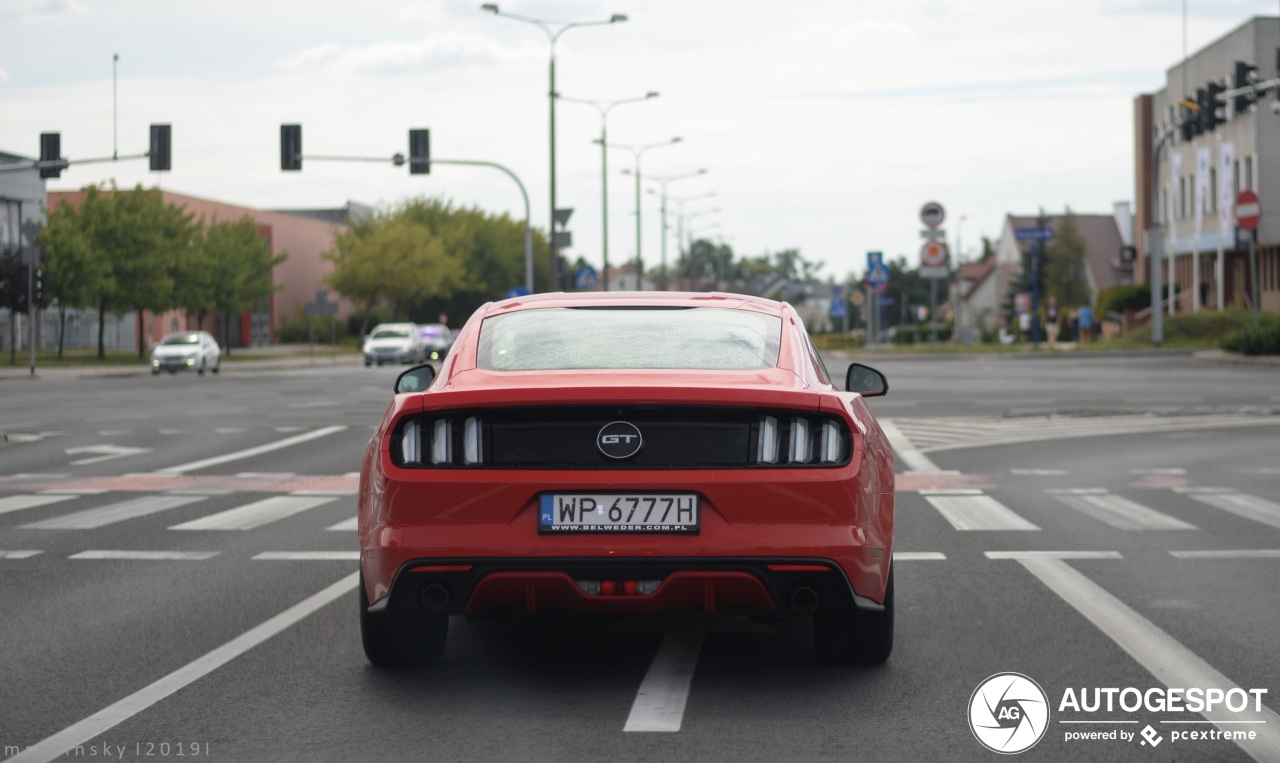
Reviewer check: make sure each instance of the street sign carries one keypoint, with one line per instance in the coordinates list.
(877, 273)
(1248, 210)
(585, 278)
(933, 254)
(934, 233)
(322, 306)
(562, 216)
(837, 308)
(932, 214)
(934, 272)
(1033, 234)
(517, 291)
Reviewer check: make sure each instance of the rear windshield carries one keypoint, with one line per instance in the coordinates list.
(390, 334)
(707, 338)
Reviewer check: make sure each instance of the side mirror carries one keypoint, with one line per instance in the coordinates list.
(416, 379)
(865, 380)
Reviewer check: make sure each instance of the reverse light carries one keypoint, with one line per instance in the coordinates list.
(441, 442)
(768, 449)
(410, 444)
(811, 440)
(472, 453)
(799, 450)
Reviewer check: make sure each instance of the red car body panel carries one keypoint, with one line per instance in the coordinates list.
(843, 514)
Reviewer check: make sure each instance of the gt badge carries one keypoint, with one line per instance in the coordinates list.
(619, 440)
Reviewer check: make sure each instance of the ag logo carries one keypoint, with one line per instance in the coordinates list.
(1008, 713)
(619, 440)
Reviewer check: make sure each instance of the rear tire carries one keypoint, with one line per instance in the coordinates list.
(395, 638)
(855, 637)
(218, 367)
(200, 371)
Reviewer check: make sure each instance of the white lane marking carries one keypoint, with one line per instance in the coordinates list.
(1038, 472)
(1053, 555)
(977, 512)
(1123, 514)
(41, 476)
(56, 746)
(20, 502)
(106, 452)
(265, 475)
(1163, 656)
(913, 459)
(1244, 553)
(19, 554)
(229, 430)
(1077, 491)
(919, 556)
(952, 491)
(659, 704)
(77, 491)
(1244, 505)
(1202, 490)
(91, 519)
(346, 525)
(1172, 471)
(256, 514)
(251, 452)
(309, 556)
(145, 555)
(333, 492)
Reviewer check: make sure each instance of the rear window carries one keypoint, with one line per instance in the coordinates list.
(181, 339)
(390, 334)
(706, 338)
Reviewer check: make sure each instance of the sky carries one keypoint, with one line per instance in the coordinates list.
(822, 125)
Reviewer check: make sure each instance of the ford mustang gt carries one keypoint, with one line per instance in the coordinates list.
(628, 453)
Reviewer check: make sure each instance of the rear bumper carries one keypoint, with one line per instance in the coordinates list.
(774, 586)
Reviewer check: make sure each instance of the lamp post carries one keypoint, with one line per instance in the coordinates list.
(722, 267)
(604, 107)
(680, 202)
(664, 182)
(553, 30)
(961, 298)
(638, 152)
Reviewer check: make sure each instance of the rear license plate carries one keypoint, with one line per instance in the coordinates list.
(610, 512)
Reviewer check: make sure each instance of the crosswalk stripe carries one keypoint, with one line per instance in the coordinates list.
(977, 512)
(919, 556)
(1122, 513)
(102, 516)
(347, 525)
(309, 556)
(20, 502)
(1243, 505)
(1244, 553)
(19, 554)
(146, 555)
(256, 514)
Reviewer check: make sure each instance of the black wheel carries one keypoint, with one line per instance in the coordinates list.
(218, 367)
(392, 639)
(368, 363)
(155, 372)
(855, 637)
(200, 370)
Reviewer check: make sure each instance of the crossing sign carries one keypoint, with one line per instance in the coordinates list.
(877, 273)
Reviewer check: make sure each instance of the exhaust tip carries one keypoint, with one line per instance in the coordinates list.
(804, 600)
(434, 597)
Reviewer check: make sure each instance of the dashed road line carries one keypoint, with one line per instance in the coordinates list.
(1243, 505)
(660, 703)
(92, 519)
(256, 514)
(1120, 512)
(109, 554)
(347, 525)
(21, 502)
(978, 512)
(1244, 553)
(309, 556)
(240, 455)
(19, 554)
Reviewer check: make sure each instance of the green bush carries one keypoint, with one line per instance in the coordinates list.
(298, 328)
(1121, 298)
(1264, 340)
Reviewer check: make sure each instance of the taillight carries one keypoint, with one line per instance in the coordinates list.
(445, 441)
(792, 440)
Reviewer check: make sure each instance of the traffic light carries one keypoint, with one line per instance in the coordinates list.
(419, 152)
(1246, 76)
(1190, 123)
(290, 147)
(50, 151)
(38, 286)
(1214, 110)
(159, 153)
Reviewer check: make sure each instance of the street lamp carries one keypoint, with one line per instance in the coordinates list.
(680, 202)
(637, 152)
(723, 267)
(553, 30)
(604, 107)
(962, 300)
(664, 182)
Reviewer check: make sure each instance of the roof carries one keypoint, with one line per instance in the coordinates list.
(975, 273)
(1101, 237)
(638, 299)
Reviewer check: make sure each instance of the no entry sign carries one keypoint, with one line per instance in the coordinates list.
(1248, 210)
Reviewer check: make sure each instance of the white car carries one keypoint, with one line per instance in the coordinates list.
(186, 351)
(394, 343)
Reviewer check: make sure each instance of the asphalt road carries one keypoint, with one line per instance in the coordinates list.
(1135, 547)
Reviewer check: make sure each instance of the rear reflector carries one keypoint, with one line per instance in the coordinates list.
(798, 568)
(618, 587)
(443, 568)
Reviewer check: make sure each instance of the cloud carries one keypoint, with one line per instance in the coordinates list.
(42, 10)
(435, 50)
(864, 30)
(4, 76)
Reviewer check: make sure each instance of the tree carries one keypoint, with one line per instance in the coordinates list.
(13, 292)
(241, 273)
(74, 273)
(1064, 264)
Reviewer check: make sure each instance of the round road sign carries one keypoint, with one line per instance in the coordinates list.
(933, 254)
(932, 214)
(1248, 210)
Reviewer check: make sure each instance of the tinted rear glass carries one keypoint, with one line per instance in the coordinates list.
(693, 338)
(390, 334)
(181, 339)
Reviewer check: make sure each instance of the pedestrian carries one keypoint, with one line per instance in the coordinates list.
(1073, 324)
(1024, 326)
(1051, 321)
(1086, 323)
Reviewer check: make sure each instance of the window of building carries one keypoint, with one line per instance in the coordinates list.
(1235, 179)
(1182, 198)
(1248, 172)
(1211, 204)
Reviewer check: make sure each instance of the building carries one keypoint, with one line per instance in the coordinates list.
(976, 301)
(303, 238)
(1190, 167)
(1108, 244)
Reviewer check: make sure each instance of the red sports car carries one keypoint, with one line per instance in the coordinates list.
(628, 453)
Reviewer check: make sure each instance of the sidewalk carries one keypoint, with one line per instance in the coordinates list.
(242, 359)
